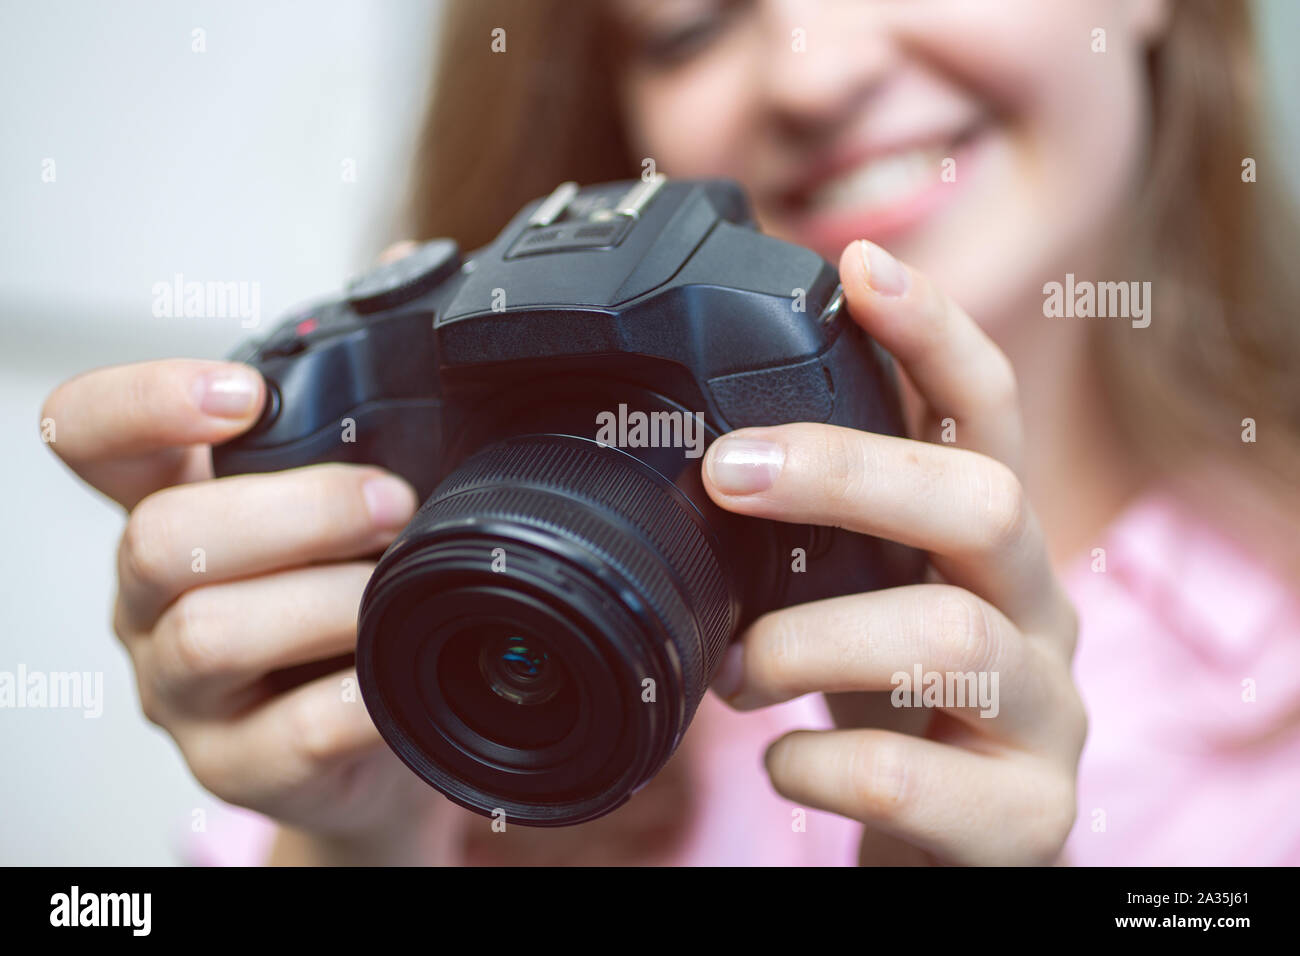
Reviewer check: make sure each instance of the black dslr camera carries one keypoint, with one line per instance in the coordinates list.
(538, 638)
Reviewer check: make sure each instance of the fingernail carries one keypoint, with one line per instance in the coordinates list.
(730, 672)
(742, 466)
(231, 392)
(885, 274)
(390, 500)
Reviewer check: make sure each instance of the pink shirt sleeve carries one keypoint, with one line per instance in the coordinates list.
(1189, 665)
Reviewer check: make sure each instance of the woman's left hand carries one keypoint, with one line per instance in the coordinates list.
(944, 784)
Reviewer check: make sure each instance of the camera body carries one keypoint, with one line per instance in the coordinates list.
(538, 638)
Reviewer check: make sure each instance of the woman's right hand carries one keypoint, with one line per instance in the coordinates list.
(237, 600)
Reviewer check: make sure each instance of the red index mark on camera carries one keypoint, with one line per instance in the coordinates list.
(306, 326)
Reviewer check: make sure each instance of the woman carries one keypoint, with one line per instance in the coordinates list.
(1140, 466)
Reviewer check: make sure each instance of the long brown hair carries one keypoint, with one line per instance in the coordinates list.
(1220, 249)
(505, 127)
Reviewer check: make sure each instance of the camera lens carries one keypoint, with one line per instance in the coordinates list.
(501, 683)
(539, 637)
(519, 669)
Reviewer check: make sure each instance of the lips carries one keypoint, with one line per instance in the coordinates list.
(878, 181)
(878, 193)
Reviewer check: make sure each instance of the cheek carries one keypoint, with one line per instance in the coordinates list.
(1083, 128)
(1071, 136)
(693, 125)
(1036, 64)
(1083, 92)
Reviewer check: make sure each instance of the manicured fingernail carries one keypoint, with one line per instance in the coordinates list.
(390, 500)
(231, 392)
(742, 466)
(885, 274)
(727, 681)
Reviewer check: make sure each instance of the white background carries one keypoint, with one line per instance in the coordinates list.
(226, 166)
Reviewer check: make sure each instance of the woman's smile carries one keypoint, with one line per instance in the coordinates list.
(885, 193)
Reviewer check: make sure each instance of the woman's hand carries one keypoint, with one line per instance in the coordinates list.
(944, 784)
(238, 601)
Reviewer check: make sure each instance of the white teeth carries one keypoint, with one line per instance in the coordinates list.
(881, 180)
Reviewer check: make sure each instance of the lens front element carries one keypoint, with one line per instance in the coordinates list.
(519, 669)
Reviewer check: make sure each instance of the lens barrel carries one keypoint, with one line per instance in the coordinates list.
(538, 639)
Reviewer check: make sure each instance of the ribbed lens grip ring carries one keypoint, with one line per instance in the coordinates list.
(620, 510)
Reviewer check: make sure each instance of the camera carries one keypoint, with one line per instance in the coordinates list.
(537, 639)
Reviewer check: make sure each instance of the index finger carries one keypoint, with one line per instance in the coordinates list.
(955, 366)
(129, 430)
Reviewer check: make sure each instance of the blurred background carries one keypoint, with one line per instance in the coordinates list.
(238, 141)
(279, 156)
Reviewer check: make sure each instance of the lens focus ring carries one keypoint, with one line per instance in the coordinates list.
(616, 506)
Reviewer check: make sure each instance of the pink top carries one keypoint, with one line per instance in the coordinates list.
(1181, 766)
(1189, 666)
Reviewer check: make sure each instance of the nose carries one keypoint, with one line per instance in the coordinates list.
(820, 59)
